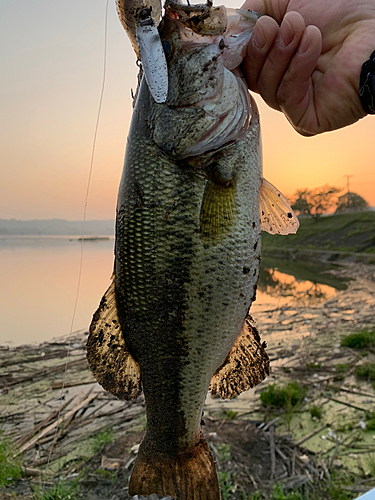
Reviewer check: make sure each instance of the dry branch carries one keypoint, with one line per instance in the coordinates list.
(45, 431)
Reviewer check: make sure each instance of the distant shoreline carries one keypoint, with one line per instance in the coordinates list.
(56, 227)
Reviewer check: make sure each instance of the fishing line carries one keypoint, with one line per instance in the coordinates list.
(83, 229)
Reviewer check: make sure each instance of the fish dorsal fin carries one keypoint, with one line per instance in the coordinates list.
(108, 357)
(246, 365)
(276, 214)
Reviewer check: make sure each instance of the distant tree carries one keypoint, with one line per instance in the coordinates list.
(315, 202)
(351, 201)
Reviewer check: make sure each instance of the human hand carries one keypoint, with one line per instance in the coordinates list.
(309, 67)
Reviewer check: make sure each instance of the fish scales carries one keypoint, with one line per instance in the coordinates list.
(184, 298)
(174, 322)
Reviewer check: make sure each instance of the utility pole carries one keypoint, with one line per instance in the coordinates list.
(347, 189)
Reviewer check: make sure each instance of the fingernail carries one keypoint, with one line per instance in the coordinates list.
(286, 34)
(305, 43)
(258, 38)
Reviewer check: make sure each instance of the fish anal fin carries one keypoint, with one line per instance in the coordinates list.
(246, 365)
(187, 476)
(276, 214)
(108, 357)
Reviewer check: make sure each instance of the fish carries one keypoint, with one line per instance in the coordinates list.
(174, 322)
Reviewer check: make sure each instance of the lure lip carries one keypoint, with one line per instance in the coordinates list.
(152, 56)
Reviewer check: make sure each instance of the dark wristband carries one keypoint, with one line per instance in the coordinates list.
(367, 85)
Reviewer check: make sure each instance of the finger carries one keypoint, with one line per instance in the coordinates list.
(296, 92)
(279, 57)
(272, 8)
(262, 39)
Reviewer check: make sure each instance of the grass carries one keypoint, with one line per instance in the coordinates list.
(342, 232)
(343, 367)
(323, 490)
(370, 426)
(63, 490)
(370, 459)
(367, 372)
(223, 450)
(226, 484)
(280, 397)
(361, 340)
(10, 468)
(286, 398)
(102, 438)
(316, 412)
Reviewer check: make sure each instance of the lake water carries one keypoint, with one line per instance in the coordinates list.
(39, 279)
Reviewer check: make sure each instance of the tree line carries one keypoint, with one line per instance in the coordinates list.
(321, 200)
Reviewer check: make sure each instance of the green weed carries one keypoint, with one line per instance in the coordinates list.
(223, 452)
(10, 467)
(366, 371)
(316, 412)
(279, 397)
(370, 459)
(231, 415)
(286, 398)
(107, 474)
(360, 340)
(323, 491)
(62, 490)
(226, 484)
(102, 438)
(370, 425)
(343, 367)
(313, 366)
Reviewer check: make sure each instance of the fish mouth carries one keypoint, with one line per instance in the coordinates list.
(230, 122)
(208, 104)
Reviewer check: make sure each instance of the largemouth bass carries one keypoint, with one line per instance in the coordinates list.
(191, 203)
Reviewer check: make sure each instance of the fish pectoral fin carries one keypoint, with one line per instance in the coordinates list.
(108, 357)
(276, 214)
(217, 210)
(246, 365)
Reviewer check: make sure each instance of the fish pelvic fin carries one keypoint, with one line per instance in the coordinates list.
(108, 357)
(186, 476)
(276, 214)
(246, 365)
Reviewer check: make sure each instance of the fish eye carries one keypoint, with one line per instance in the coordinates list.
(167, 47)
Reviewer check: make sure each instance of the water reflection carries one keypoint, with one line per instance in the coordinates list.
(39, 279)
(282, 282)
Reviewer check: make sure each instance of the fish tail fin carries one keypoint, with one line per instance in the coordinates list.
(187, 476)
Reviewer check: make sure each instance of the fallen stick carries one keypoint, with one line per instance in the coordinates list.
(306, 438)
(45, 431)
(44, 373)
(272, 452)
(325, 468)
(42, 424)
(60, 385)
(352, 391)
(55, 354)
(347, 404)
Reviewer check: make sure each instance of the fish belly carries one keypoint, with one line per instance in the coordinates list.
(182, 297)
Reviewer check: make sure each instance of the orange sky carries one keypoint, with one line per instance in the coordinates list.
(51, 55)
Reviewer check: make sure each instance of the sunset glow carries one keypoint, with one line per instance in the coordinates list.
(52, 68)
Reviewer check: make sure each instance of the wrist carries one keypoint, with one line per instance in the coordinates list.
(367, 85)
